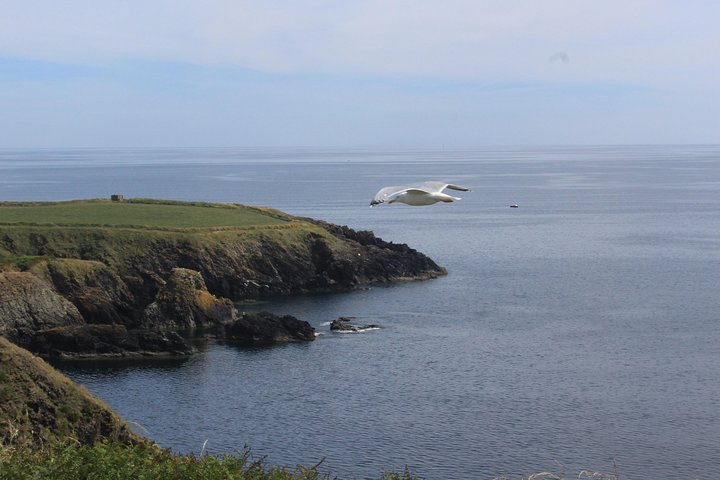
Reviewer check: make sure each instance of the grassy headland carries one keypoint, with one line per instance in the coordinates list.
(241, 251)
(140, 213)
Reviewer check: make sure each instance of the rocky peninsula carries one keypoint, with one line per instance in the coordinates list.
(138, 277)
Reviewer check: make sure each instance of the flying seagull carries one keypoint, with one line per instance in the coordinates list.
(559, 57)
(427, 194)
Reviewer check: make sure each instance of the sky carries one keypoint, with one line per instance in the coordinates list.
(385, 73)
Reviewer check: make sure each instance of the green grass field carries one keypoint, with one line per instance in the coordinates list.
(140, 213)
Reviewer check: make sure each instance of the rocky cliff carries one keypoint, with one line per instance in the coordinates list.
(166, 278)
(27, 304)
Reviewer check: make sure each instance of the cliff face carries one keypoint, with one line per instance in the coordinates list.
(39, 405)
(27, 304)
(114, 276)
(184, 303)
(273, 262)
(99, 293)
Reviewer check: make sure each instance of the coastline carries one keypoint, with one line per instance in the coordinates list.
(119, 289)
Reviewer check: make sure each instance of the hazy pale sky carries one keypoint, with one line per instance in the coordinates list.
(358, 73)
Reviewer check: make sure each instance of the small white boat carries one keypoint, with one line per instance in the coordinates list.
(514, 205)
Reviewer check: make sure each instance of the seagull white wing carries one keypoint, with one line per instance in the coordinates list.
(440, 186)
(386, 194)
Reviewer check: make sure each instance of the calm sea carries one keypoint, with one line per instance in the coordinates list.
(581, 327)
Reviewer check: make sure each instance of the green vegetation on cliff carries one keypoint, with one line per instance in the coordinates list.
(39, 406)
(122, 252)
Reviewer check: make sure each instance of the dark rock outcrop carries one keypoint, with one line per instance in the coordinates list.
(343, 324)
(27, 304)
(37, 318)
(99, 294)
(267, 328)
(184, 303)
(378, 260)
(107, 340)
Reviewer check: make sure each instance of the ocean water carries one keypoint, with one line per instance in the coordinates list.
(579, 328)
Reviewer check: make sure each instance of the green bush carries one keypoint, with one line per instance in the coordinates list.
(114, 461)
(24, 263)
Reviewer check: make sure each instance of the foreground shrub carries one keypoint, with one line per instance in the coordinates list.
(115, 461)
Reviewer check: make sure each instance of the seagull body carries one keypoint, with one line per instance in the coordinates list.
(427, 194)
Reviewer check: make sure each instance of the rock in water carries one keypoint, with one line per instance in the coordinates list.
(343, 324)
(267, 328)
